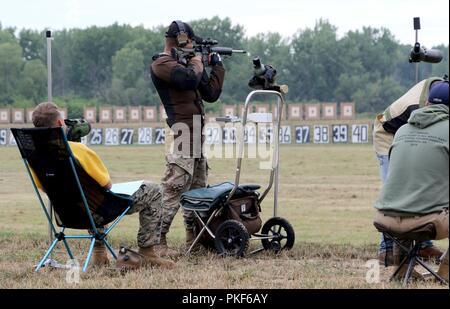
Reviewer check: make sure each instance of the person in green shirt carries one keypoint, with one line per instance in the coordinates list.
(386, 125)
(416, 191)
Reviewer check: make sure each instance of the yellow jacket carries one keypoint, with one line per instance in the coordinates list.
(89, 161)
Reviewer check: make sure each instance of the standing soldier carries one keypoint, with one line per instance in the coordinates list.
(181, 87)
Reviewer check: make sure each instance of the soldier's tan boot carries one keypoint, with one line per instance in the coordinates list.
(99, 255)
(164, 250)
(151, 258)
(443, 268)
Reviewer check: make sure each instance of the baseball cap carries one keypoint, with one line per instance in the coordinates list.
(173, 31)
(439, 93)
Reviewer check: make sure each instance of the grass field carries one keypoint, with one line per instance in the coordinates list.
(326, 192)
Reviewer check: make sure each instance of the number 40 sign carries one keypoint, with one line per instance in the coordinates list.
(360, 133)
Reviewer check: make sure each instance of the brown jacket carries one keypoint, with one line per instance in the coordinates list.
(182, 89)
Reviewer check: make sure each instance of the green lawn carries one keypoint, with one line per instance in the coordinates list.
(326, 192)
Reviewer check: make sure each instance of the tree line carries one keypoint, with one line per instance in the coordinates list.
(110, 65)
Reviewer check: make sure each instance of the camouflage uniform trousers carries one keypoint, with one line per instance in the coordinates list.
(147, 201)
(181, 175)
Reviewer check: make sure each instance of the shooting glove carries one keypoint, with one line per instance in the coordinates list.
(215, 59)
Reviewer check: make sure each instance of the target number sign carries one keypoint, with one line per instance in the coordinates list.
(126, 136)
(302, 135)
(160, 136)
(340, 133)
(145, 136)
(321, 134)
(3, 137)
(111, 136)
(212, 135)
(360, 133)
(96, 137)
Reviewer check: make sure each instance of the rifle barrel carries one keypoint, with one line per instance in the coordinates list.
(227, 51)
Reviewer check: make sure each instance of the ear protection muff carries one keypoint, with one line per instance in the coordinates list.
(182, 35)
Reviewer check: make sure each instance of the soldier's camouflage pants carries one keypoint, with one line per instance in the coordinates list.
(181, 175)
(147, 200)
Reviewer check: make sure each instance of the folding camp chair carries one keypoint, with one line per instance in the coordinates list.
(78, 201)
(415, 237)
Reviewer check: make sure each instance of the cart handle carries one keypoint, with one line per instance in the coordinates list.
(275, 161)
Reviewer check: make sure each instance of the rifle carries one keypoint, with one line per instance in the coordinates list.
(205, 47)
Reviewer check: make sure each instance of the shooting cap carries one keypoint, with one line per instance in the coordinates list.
(177, 28)
(439, 93)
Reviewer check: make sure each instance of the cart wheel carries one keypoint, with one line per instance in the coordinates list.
(231, 238)
(282, 233)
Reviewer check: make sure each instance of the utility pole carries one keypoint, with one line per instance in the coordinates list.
(48, 35)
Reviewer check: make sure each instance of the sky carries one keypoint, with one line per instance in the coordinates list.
(283, 16)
